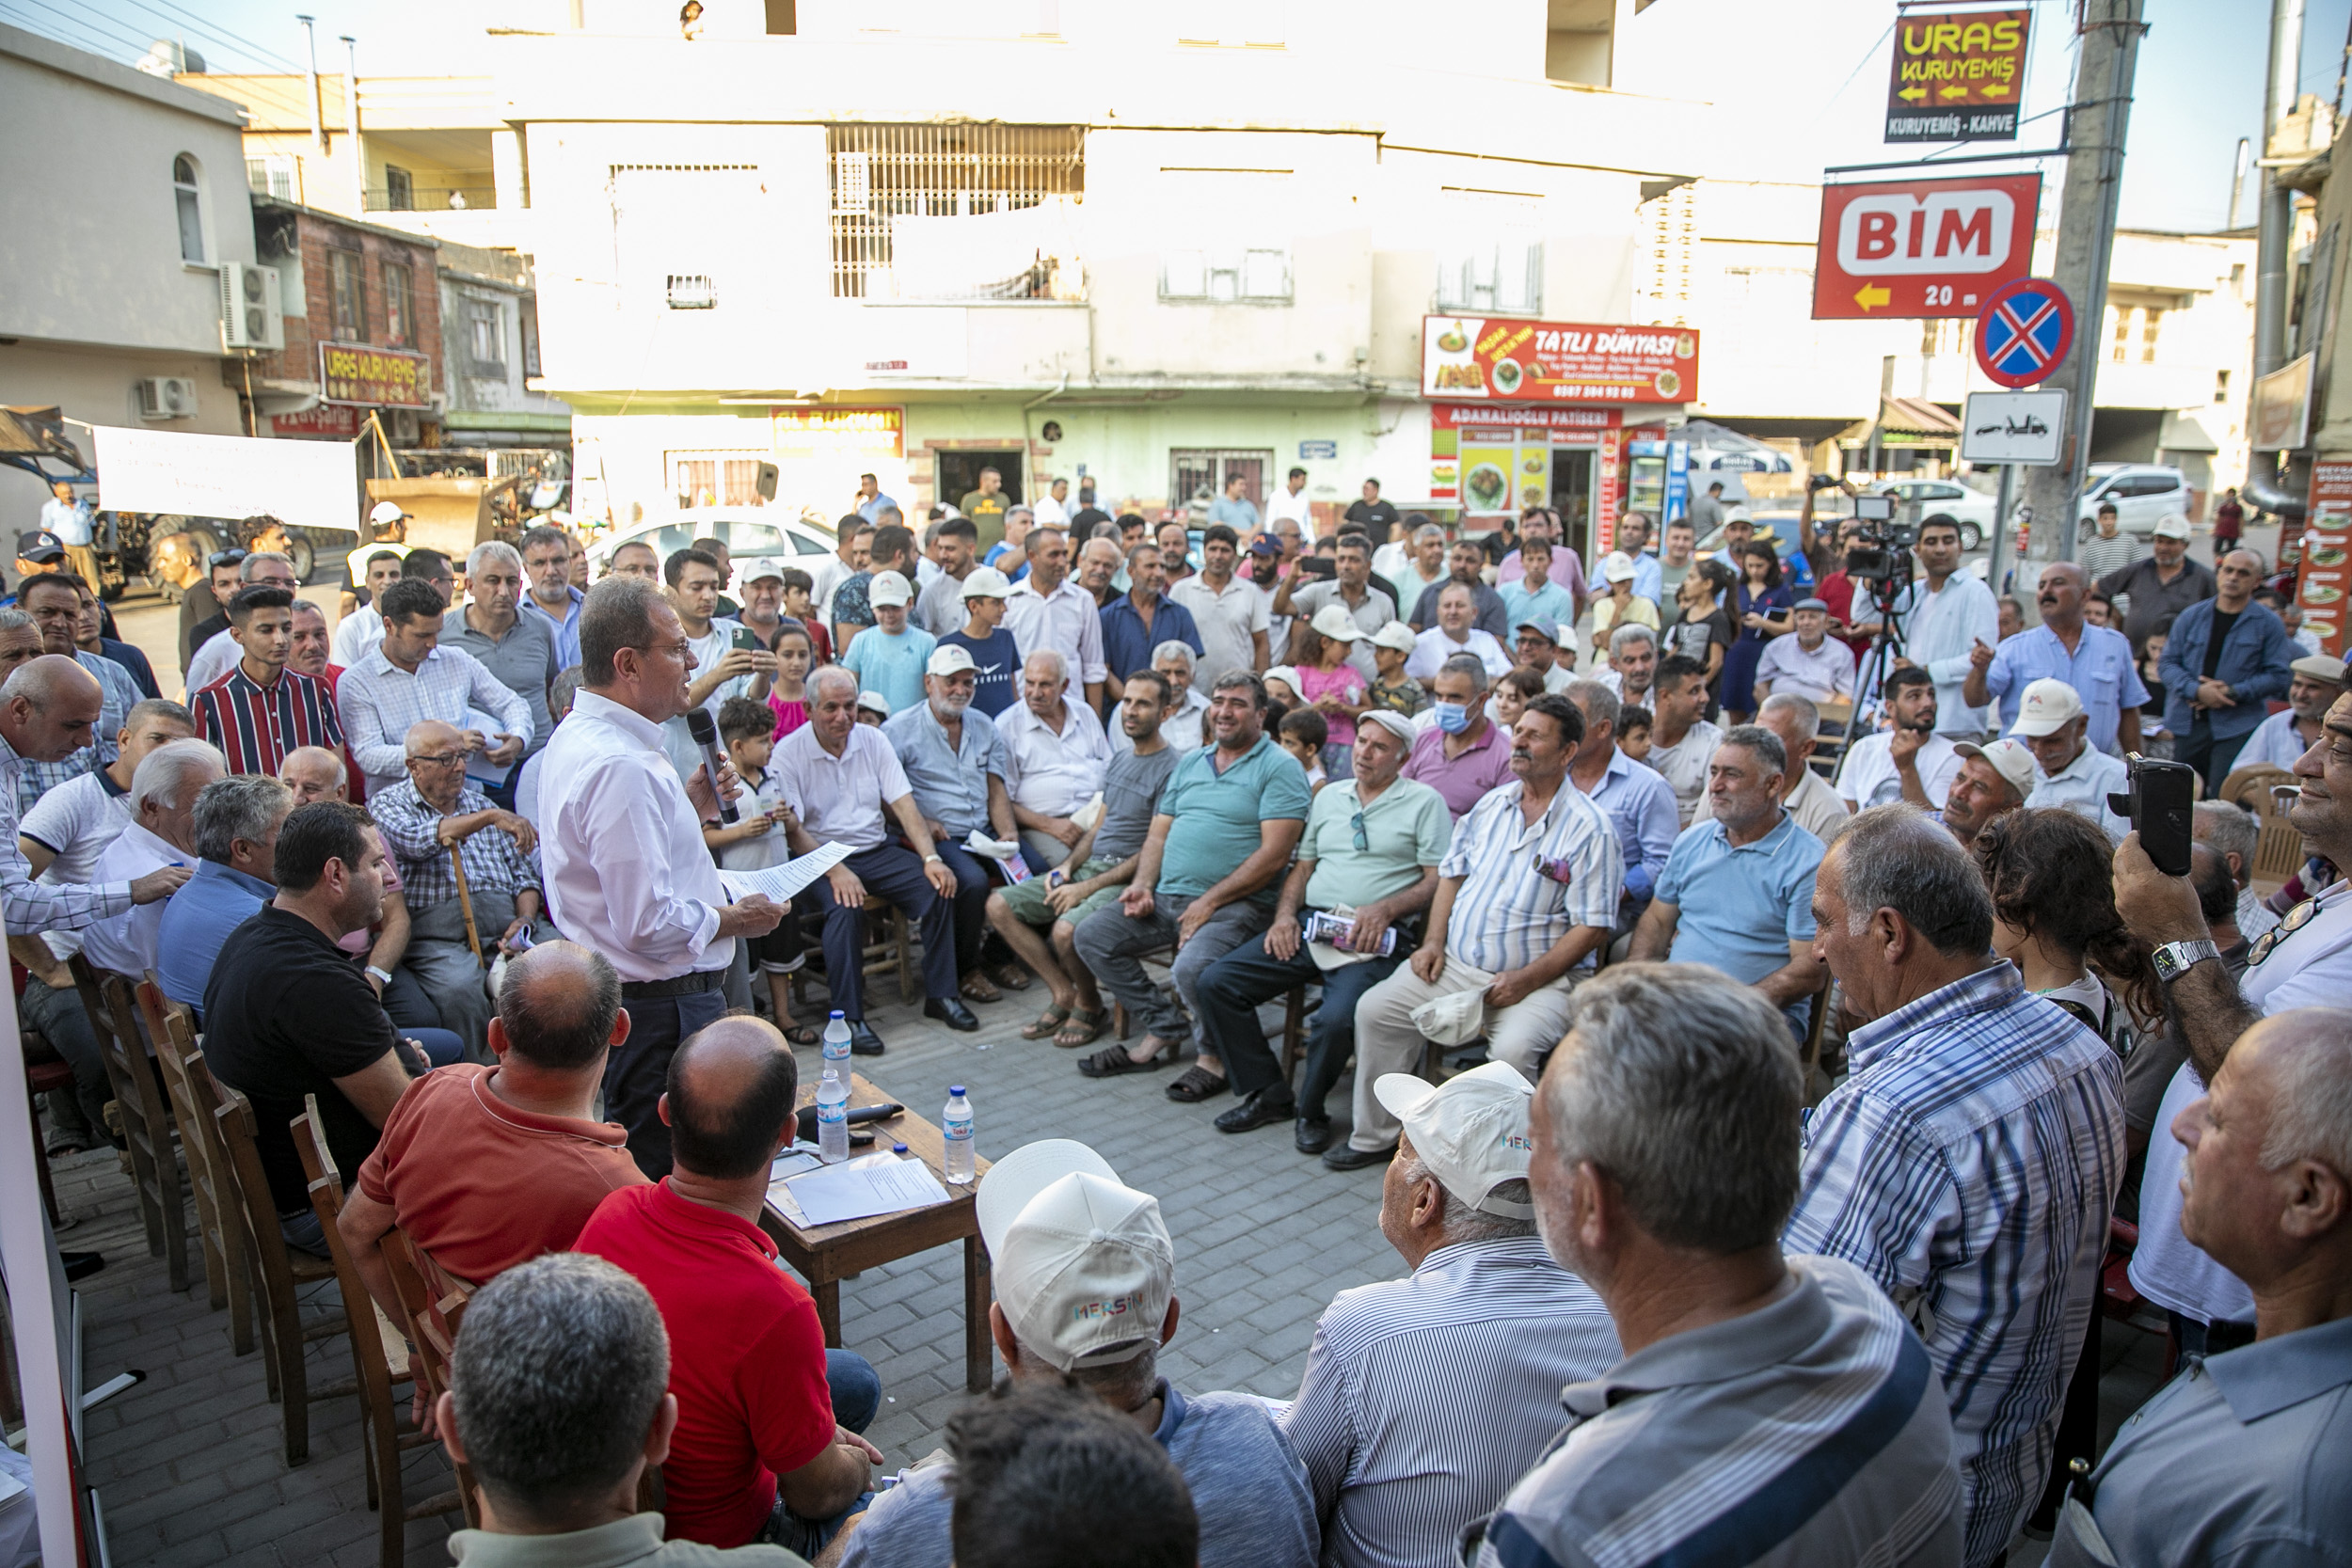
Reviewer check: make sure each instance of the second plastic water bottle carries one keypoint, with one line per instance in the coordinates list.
(832, 1118)
(955, 1126)
(837, 1044)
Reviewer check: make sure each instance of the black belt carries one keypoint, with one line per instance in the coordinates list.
(690, 983)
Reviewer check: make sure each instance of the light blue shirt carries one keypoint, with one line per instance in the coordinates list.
(891, 665)
(567, 629)
(1740, 907)
(1551, 599)
(873, 507)
(1939, 629)
(1648, 582)
(1240, 516)
(197, 922)
(1219, 817)
(1641, 807)
(2100, 670)
(950, 782)
(1526, 885)
(71, 521)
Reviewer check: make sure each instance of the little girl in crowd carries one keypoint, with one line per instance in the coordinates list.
(1333, 687)
(787, 695)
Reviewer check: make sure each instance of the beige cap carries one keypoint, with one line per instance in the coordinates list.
(2047, 707)
(2320, 667)
(1396, 635)
(1083, 1263)
(1390, 721)
(888, 587)
(987, 582)
(2171, 525)
(2009, 759)
(1470, 1130)
(874, 702)
(948, 660)
(764, 567)
(1334, 621)
(1616, 567)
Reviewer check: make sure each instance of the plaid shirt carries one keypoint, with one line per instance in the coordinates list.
(123, 694)
(1968, 1167)
(255, 725)
(410, 828)
(379, 701)
(28, 907)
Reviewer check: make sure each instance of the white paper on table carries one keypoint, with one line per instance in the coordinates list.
(780, 883)
(864, 1189)
(478, 765)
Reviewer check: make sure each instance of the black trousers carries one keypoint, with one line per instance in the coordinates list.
(638, 1070)
(971, 903)
(893, 873)
(1232, 988)
(2212, 758)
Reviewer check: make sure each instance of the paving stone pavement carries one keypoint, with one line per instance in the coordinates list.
(188, 1464)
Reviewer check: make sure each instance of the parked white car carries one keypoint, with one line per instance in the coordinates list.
(749, 532)
(1973, 509)
(2142, 492)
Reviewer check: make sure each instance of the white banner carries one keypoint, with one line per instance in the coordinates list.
(301, 484)
(2013, 427)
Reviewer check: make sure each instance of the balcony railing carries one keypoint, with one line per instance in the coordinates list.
(433, 199)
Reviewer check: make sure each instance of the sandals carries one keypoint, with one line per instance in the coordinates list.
(1012, 977)
(975, 987)
(1048, 1021)
(1113, 1060)
(805, 1034)
(1083, 1028)
(1198, 1085)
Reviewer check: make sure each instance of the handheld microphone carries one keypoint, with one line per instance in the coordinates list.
(706, 733)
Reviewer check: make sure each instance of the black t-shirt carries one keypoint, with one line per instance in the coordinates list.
(205, 631)
(2222, 620)
(1082, 524)
(1691, 638)
(286, 1013)
(1376, 516)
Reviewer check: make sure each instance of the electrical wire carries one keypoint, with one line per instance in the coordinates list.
(107, 43)
(178, 16)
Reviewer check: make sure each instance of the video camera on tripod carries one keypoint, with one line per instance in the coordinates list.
(1881, 553)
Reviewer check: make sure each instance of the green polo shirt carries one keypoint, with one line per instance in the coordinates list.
(1405, 829)
(1218, 816)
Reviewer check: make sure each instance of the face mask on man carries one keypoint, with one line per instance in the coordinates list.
(1453, 718)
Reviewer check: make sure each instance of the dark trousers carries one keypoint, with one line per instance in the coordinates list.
(2211, 758)
(638, 1070)
(64, 1022)
(893, 873)
(1233, 987)
(856, 1398)
(971, 903)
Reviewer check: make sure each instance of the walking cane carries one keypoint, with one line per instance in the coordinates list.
(465, 903)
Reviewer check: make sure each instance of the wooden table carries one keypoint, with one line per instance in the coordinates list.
(828, 1253)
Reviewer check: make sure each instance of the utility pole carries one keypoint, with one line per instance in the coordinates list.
(351, 126)
(2096, 126)
(311, 75)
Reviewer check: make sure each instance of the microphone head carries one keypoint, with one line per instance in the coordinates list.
(701, 726)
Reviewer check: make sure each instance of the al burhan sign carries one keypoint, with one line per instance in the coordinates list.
(1540, 361)
(375, 377)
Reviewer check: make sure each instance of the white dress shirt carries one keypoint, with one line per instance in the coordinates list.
(1432, 648)
(1297, 508)
(622, 851)
(1939, 629)
(839, 800)
(354, 634)
(125, 942)
(1054, 774)
(2083, 786)
(1049, 512)
(218, 655)
(1869, 777)
(2275, 742)
(378, 701)
(1067, 620)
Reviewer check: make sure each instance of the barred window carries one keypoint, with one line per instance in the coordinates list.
(957, 211)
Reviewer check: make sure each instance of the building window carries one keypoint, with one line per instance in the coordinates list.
(692, 290)
(1226, 277)
(400, 190)
(2151, 319)
(957, 211)
(2222, 386)
(527, 316)
(681, 229)
(272, 176)
(400, 320)
(715, 477)
(1197, 475)
(485, 332)
(347, 295)
(188, 199)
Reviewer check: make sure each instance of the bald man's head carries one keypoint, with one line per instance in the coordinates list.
(49, 708)
(559, 1009)
(729, 1104)
(431, 737)
(313, 773)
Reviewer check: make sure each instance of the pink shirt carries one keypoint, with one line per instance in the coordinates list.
(789, 715)
(361, 941)
(1346, 683)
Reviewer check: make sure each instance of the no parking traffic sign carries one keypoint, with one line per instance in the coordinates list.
(2023, 331)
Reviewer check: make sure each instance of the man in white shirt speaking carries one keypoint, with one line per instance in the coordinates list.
(626, 870)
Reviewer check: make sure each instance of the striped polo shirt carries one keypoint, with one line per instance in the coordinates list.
(255, 725)
(1811, 1431)
(1525, 885)
(1489, 1328)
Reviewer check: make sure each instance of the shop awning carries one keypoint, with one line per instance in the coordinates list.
(1905, 423)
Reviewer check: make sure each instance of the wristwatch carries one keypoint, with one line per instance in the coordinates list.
(927, 859)
(2176, 958)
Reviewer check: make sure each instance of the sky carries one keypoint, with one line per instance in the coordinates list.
(1807, 77)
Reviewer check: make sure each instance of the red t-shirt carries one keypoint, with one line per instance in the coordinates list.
(747, 1356)
(483, 1186)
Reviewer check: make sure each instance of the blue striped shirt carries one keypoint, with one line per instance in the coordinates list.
(1968, 1167)
(1508, 913)
(1810, 1431)
(1490, 1327)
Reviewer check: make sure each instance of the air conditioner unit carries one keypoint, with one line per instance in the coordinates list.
(167, 397)
(405, 430)
(251, 313)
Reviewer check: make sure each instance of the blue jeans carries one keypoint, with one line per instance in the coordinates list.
(441, 1046)
(856, 1396)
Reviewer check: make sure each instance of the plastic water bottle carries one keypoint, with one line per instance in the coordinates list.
(837, 1045)
(955, 1125)
(832, 1118)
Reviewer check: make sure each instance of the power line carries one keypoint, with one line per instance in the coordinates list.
(176, 17)
(109, 41)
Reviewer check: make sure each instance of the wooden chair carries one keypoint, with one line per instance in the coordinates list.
(227, 1270)
(1817, 1023)
(887, 939)
(281, 1270)
(146, 1116)
(1829, 750)
(432, 1302)
(372, 1367)
(44, 1071)
(2279, 852)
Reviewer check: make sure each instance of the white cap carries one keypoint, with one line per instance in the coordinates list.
(1334, 621)
(1288, 674)
(2009, 759)
(1396, 635)
(385, 512)
(764, 567)
(1084, 1267)
(2171, 525)
(888, 587)
(875, 702)
(948, 660)
(1390, 721)
(1470, 1130)
(2047, 707)
(1616, 567)
(986, 582)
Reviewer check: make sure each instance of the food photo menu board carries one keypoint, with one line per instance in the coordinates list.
(1511, 361)
(2326, 578)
